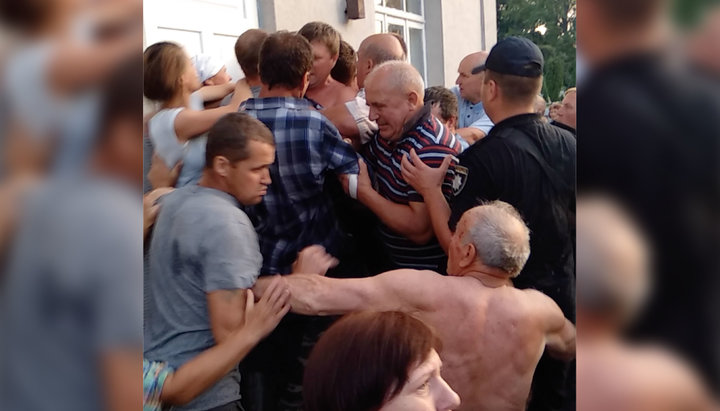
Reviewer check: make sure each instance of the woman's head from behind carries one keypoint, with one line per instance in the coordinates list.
(167, 72)
(372, 361)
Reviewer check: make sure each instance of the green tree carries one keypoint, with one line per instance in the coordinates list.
(526, 18)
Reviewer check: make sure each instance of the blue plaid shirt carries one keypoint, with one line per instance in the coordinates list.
(295, 212)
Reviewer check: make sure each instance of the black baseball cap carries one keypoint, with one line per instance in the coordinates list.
(516, 56)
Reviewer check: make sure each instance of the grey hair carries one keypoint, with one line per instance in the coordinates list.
(399, 75)
(500, 236)
(613, 261)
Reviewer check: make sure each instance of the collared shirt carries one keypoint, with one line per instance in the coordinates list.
(471, 114)
(295, 212)
(432, 142)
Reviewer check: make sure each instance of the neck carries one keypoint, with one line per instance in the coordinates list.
(505, 112)
(491, 278)
(210, 180)
(253, 81)
(617, 44)
(104, 165)
(322, 84)
(182, 99)
(590, 328)
(279, 91)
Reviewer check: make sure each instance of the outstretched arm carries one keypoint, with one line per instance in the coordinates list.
(560, 332)
(399, 290)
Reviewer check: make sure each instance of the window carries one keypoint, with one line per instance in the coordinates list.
(406, 18)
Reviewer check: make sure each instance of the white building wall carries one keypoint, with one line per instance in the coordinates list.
(292, 15)
(462, 22)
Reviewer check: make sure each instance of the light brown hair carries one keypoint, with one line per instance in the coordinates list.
(163, 65)
(324, 33)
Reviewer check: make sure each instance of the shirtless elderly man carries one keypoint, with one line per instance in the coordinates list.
(493, 334)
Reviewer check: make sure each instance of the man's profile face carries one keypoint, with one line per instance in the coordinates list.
(248, 179)
(566, 113)
(323, 63)
(222, 77)
(390, 108)
(362, 67)
(471, 85)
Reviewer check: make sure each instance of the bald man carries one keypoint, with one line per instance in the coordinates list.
(473, 122)
(566, 115)
(613, 283)
(394, 92)
(351, 118)
(492, 333)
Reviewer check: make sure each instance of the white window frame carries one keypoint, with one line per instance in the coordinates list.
(388, 15)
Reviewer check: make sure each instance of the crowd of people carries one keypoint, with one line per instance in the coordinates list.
(330, 181)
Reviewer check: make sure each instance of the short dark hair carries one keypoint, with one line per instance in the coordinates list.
(284, 60)
(230, 136)
(247, 51)
(446, 98)
(121, 96)
(516, 89)
(384, 345)
(323, 33)
(163, 64)
(346, 66)
(26, 15)
(403, 45)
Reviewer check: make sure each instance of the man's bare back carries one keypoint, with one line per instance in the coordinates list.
(493, 334)
(331, 93)
(492, 340)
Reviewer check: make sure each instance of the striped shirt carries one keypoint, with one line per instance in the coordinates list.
(296, 212)
(432, 142)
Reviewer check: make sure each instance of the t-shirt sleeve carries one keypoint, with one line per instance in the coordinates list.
(161, 130)
(231, 255)
(433, 156)
(483, 124)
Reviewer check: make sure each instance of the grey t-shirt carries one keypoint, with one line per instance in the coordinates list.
(71, 293)
(202, 243)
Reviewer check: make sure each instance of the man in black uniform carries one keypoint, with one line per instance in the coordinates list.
(529, 164)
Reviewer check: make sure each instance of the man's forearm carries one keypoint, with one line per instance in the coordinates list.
(201, 372)
(439, 211)
(470, 134)
(398, 217)
(312, 294)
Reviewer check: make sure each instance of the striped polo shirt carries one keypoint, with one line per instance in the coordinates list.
(432, 142)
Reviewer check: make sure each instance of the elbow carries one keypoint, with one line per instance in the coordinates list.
(176, 397)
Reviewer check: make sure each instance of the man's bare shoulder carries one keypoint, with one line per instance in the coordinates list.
(648, 377)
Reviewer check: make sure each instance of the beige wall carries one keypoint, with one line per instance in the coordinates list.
(454, 28)
(463, 33)
(292, 15)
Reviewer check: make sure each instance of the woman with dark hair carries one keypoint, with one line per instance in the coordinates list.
(377, 361)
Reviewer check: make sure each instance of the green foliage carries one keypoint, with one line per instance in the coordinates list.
(522, 17)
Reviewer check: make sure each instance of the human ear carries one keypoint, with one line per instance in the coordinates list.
(221, 165)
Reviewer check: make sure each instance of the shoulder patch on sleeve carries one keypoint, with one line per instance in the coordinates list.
(461, 175)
